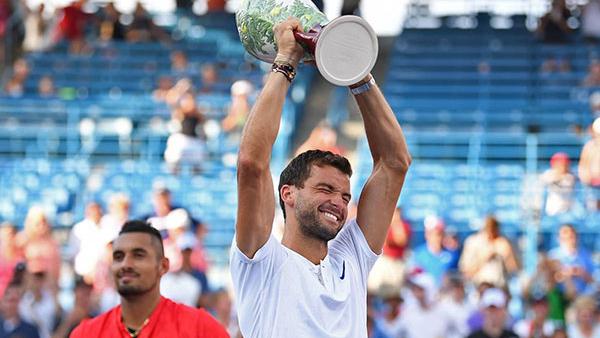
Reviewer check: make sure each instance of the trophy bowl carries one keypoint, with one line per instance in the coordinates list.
(344, 49)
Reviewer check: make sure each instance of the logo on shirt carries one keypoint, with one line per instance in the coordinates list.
(343, 270)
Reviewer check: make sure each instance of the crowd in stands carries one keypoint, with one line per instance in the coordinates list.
(32, 272)
(439, 290)
(446, 287)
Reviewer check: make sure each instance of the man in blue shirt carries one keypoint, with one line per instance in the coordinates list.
(432, 257)
(577, 266)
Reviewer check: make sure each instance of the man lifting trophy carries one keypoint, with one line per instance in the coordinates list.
(314, 282)
(344, 49)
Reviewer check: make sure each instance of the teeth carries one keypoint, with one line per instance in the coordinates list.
(330, 215)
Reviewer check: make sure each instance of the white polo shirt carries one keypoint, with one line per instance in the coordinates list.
(279, 293)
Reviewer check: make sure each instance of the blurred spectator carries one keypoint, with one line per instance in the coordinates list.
(87, 242)
(16, 83)
(456, 306)
(590, 21)
(423, 317)
(178, 284)
(104, 284)
(165, 83)
(10, 254)
(586, 323)
(186, 144)
(239, 108)
(37, 29)
(451, 242)
(39, 247)
(556, 65)
(209, 78)
(39, 305)
(389, 267)
(553, 27)
(178, 224)
(222, 309)
(184, 5)
(6, 10)
(84, 307)
(215, 5)
(118, 213)
(187, 244)
(111, 27)
(488, 256)
(162, 202)
(576, 262)
(46, 87)
(595, 104)
(545, 282)
(432, 257)
(494, 302)
(11, 29)
(143, 29)
(199, 258)
(476, 319)
(589, 168)
(72, 26)
(322, 137)
(592, 78)
(11, 322)
(559, 185)
(389, 322)
(180, 67)
(536, 323)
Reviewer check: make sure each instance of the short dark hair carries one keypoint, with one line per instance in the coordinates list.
(133, 226)
(298, 170)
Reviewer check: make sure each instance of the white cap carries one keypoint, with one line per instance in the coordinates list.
(433, 222)
(186, 241)
(493, 297)
(241, 87)
(177, 218)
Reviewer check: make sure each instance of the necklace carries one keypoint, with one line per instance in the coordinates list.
(134, 333)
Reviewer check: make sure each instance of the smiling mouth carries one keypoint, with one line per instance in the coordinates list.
(330, 216)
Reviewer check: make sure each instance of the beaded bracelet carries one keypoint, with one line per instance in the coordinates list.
(286, 69)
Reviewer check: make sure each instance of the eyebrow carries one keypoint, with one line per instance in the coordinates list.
(330, 187)
(134, 250)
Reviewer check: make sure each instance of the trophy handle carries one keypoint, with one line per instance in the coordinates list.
(309, 39)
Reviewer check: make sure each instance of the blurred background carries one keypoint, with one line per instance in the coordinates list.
(118, 110)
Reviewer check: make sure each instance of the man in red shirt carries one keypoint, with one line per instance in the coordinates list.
(137, 266)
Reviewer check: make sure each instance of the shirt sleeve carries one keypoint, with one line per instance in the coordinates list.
(251, 275)
(352, 245)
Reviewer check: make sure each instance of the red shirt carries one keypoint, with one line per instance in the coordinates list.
(390, 248)
(169, 319)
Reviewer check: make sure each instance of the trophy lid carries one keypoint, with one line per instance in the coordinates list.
(346, 50)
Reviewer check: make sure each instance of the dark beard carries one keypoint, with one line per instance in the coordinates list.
(308, 219)
(132, 291)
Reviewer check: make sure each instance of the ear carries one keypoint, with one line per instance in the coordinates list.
(164, 265)
(288, 195)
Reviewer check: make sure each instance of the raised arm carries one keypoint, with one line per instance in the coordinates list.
(256, 199)
(391, 160)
